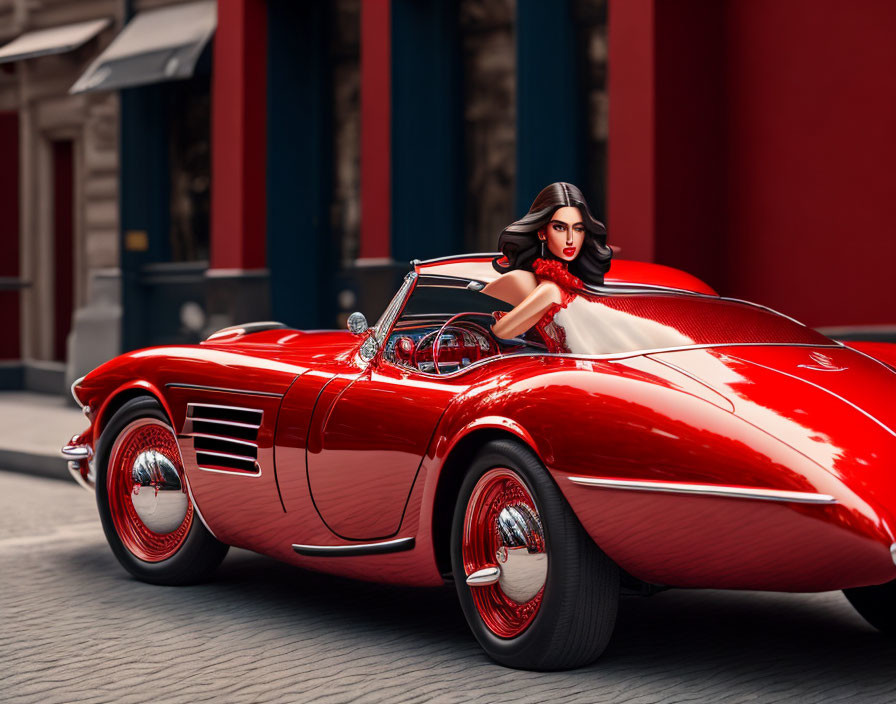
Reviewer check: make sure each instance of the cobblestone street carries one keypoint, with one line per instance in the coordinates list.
(76, 627)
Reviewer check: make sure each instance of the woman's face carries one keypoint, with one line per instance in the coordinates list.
(565, 233)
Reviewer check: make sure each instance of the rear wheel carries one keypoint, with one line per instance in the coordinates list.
(876, 604)
(146, 511)
(535, 589)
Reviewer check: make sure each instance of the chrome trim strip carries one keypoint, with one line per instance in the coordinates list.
(199, 387)
(223, 438)
(707, 346)
(459, 257)
(196, 404)
(231, 423)
(765, 308)
(868, 356)
(633, 289)
(191, 414)
(384, 325)
(77, 452)
(233, 472)
(380, 548)
(242, 458)
(733, 492)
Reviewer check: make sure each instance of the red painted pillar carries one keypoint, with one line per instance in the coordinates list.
(239, 150)
(667, 144)
(376, 151)
(631, 178)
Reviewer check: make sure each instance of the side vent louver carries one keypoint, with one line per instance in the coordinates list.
(225, 437)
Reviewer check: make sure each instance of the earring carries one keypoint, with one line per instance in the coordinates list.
(542, 249)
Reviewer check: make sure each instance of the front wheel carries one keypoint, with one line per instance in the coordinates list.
(876, 604)
(145, 507)
(536, 591)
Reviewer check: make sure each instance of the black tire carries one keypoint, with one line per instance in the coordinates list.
(581, 594)
(877, 605)
(200, 553)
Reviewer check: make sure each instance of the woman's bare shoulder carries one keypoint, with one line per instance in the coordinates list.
(549, 291)
(512, 287)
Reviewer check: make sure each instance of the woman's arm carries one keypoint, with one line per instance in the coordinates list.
(529, 311)
(512, 287)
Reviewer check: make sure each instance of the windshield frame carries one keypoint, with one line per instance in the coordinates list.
(383, 327)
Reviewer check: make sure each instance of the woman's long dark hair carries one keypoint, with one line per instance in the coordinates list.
(520, 245)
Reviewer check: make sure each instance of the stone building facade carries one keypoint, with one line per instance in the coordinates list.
(65, 228)
(60, 220)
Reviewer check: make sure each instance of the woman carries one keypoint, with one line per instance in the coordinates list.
(548, 255)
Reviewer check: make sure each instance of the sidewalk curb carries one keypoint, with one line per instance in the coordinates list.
(35, 464)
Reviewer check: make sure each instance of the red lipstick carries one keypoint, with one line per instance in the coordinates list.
(569, 251)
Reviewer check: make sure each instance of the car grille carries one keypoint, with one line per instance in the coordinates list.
(225, 437)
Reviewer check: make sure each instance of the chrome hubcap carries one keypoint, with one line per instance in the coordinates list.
(521, 558)
(521, 564)
(157, 493)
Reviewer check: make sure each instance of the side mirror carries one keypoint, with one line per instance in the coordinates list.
(357, 323)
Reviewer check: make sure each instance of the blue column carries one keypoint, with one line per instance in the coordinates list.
(300, 251)
(427, 130)
(550, 112)
(143, 200)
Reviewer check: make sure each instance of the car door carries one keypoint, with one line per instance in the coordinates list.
(368, 434)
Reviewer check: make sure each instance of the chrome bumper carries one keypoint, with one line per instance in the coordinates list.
(80, 465)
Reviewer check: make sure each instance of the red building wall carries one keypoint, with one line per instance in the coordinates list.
(811, 156)
(753, 143)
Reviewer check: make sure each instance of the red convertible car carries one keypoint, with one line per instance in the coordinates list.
(679, 439)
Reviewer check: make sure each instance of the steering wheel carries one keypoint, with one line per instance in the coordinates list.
(493, 349)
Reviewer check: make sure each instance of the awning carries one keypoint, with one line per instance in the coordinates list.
(56, 40)
(157, 45)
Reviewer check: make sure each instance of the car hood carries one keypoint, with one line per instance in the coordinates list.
(302, 348)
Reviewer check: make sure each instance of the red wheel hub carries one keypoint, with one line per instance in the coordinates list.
(141, 449)
(504, 552)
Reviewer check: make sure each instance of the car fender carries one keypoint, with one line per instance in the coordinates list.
(495, 422)
(146, 387)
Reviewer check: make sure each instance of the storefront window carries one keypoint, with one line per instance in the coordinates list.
(190, 169)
